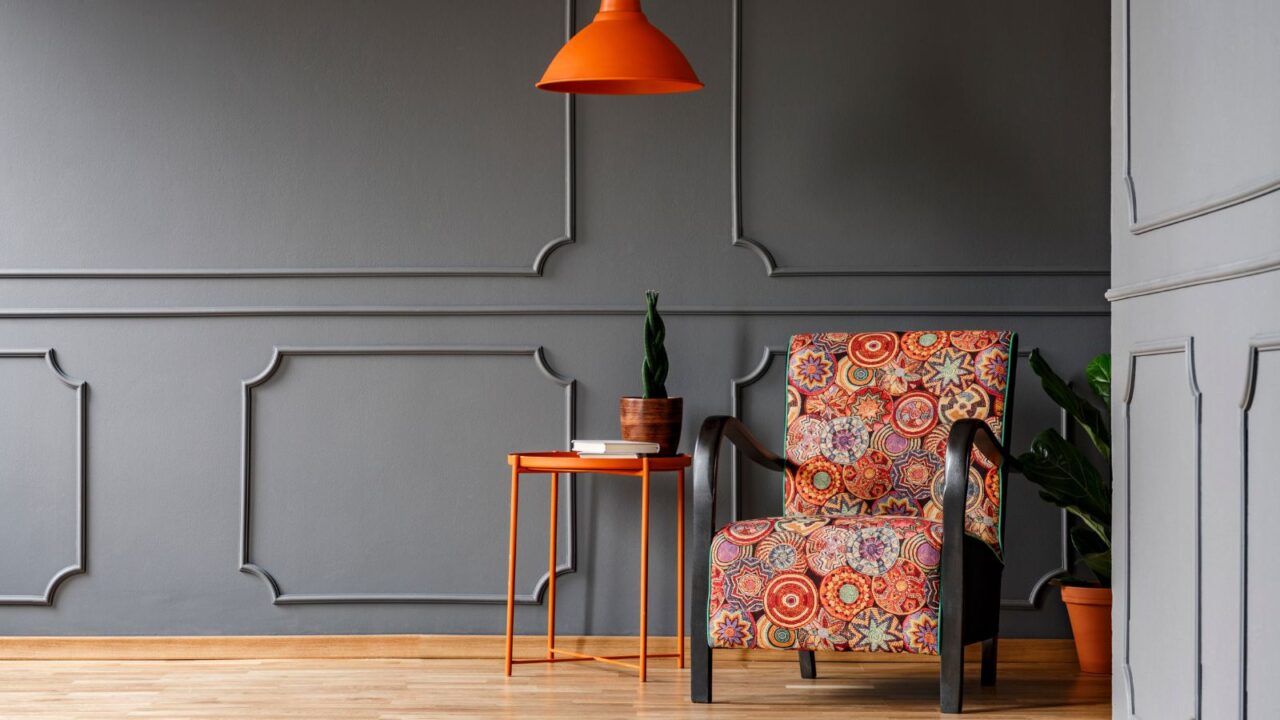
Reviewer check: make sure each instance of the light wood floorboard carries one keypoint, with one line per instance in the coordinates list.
(403, 689)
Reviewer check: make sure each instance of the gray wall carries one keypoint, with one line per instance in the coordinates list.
(377, 190)
(1195, 222)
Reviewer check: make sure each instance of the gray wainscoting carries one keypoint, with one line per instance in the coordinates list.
(1194, 225)
(323, 264)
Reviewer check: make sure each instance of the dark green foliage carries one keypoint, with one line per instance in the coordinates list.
(1066, 476)
(653, 372)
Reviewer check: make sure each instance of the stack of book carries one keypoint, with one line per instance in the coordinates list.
(613, 448)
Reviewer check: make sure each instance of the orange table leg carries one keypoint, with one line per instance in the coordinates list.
(551, 568)
(511, 564)
(644, 570)
(680, 568)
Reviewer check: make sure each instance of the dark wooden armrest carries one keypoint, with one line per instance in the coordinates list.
(706, 462)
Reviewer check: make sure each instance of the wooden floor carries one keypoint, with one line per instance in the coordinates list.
(401, 689)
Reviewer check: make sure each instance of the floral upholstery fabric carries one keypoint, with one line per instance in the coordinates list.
(854, 563)
(868, 416)
(856, 582)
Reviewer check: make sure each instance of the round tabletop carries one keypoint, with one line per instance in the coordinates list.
(563, 461)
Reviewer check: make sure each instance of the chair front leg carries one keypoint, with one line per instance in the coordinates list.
(955, 489)
(808, 665)
(706, 458)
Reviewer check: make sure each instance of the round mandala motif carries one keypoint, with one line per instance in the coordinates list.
(731, 627)
(748, 532)
(715, 596)
(875, 550)
(991, 367)
(844, 440)
(829, 548)
(851, 376)
(811, 370)
(921, 550)
(793, 404)
(872, 405)
(973, 340)
(790, 600)
(818, 479)
(826, 632)
(972, 402)
(921, 344)
(898, 376)
(973, 491)
(844, 504)
(947, 370)
(901, 590)
(744, 584)
(831, 342)
(898, 502)
(783, 551)
(873, 349)
(871, 476)
(913, 472)
(830, 403)
(874, 630)
(915, 414)
(725, 552)
(920, 633)
(991, 485)
(845, 593)
(771, 636)
(888, 441)
(804, 438)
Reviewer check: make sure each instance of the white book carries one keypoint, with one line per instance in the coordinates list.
(611, 456)
(614, 447)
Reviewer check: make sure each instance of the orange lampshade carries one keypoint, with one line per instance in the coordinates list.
(620, 53)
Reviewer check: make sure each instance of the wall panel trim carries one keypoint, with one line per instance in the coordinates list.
(739, 384)
(1226, 271)
(1173, 346)
(534, 269)
(1257, 345)
(246, 564)
(79, 565)
(739, 237)
(1139, 224)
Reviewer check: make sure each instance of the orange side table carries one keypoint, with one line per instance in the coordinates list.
(554, 463)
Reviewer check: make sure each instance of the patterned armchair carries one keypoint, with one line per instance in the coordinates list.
(890, 540)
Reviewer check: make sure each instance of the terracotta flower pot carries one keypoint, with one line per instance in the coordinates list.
(652, 420)
(1090, 611)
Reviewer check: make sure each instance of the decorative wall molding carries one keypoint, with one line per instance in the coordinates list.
(1139, 224)
(79, 565)
(278, 355)
(550, 311)
(1173, 346)
(1257, 345)
(739, 237)
(1205, 276)
(533, 270)
(738, 384)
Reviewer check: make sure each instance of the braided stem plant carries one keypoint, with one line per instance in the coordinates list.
(653, 372)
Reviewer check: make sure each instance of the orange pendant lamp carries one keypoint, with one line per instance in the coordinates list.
(620, 53)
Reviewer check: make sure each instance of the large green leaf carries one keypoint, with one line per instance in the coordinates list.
(1095, 551)
(1067, 479)
(1098, 374)
(1082, 411)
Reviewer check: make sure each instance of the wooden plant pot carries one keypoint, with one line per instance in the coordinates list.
(1090, 611)
(652, 420)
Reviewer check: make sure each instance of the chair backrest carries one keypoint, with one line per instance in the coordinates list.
(868, 416)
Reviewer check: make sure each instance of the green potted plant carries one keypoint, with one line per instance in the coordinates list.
(1068, 478)
(653, 417)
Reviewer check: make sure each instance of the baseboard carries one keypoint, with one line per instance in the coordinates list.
(473, 647)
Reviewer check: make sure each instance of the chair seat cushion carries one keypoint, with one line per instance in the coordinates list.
(833, 582)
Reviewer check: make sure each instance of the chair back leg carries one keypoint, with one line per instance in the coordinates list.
(989, 662)
(808, 665)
